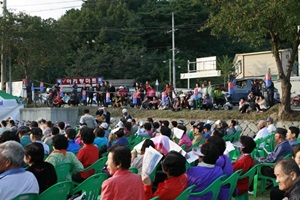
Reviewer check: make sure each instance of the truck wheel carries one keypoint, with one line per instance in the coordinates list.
(226, 107)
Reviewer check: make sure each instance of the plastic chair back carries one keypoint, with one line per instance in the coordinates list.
(29, 196)
(97, 166)
(91, 186)
(134, 170)
(186, 193)
(58, 191)
(62, 171)
(232, 181)
(214, 188)
(250, 175)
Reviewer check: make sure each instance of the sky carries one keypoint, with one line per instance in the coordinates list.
(43, 8)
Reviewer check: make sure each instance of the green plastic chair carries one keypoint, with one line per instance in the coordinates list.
(183, 146)
(263, 179)
(134, 170)
(237, 136)
(62, 171)
(155, 198)
(249, 174)
(197, 144)
(91, 186)
(58, 191)
(29, 196)
(186, 193)
(232, 181)
(214, 188)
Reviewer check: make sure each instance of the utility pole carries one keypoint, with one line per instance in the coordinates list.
(173, 51)
(2, 50)
(298, 28)
(170, 71)
(188, 70)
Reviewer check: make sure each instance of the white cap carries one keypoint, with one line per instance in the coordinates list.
(218, 122)
(104, 125)
(129, 120)
(124, 110)
(120, 124)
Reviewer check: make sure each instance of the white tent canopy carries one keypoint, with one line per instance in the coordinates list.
(9, 106)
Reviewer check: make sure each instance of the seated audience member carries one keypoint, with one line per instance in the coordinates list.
(191, 132)
(270, 125)
(231, 129)
(3, 126)
(244, 162)
(100, 141)
(237, 127)
(223, 162)
(54, 131)
(287, 174)
(243, 105)
(61, 155)
(118, 137)
(36, 135)
(145, 130)
(61, 126)
(206, 130)
(263, 131)
(138, 161)
(184, 138)
(161, 141)
(134, 126)
(156, 129)
(44, 172)
(292, 135)
(127, 128)
(198, 128)
(73, 146)
(87, 155)
(207, 102)
(7, 136)
(24, 136)
(174, 167)
(153, 104)
(223, 126)
(123, 184)
(177, 105)
(206, 171)
(14, 180)
(261, 104)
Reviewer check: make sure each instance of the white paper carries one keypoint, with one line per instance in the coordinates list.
(150, 160)
(178, 132)
(176, 147)
(229, 147)
(191, 157)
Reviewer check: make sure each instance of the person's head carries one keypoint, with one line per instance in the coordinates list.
(3, 123)
(86, 111)
(34, 124)
(36, 134)
(261, 124)
(217, 132)
(119, 133)
(173, 164)
(269, 120)
(9, 136)
(42, 121)
(166, 123)
(242, 100)
(233, 123)
(133, 122)
(49, 124)
(292, 133)
(119, 158)
(174, 123)
(197, 85)
(125, 111)
(164, 130)
(61, 125)
(287, 172)
(54, 131)
(182, 127)
(248, 144)
(11, 156)
(147, 143)
(12, 122)
(150, 120)
(147, 126)
(34, 153)
(211, 153)
(60, 142)
(156, 125)
(206, 128)
(23, 131)
(296, 154)
(71, 133)
(127, 126)
(99, 132)
(87, 136)
(280, 135)
(219, 142)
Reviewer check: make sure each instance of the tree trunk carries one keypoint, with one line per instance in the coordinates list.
(285, 105)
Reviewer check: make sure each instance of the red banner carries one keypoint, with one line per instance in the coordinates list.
(79, 81)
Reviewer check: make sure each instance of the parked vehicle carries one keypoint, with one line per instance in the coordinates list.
(295, 101)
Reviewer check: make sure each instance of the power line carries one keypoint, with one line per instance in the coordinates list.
(51, 9)
(49, 3)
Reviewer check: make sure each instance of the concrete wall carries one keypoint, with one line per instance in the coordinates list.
(69, 115)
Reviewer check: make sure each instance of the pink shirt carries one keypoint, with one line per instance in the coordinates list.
(185, 140)
(123, 185)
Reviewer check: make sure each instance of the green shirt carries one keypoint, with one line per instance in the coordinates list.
(24, 140)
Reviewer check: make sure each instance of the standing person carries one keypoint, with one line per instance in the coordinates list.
(88, 119)
(84, 89)
(43, 171)
(14, 180)
(168, 90)
(203, 90)
(210, 91)
(97, 90)
(103, 91)
(118, 163)
(112, 90)
(74, 94)
(270, 92)
(142, 91)
(90, 93)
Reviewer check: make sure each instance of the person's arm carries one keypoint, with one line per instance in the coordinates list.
(107, 192)
(77, 165)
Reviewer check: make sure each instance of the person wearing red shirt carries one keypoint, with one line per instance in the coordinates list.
(174, 167)
(245, 162)
(87, 155)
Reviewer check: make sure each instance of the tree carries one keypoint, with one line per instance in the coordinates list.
(225, 65)
(258, 22)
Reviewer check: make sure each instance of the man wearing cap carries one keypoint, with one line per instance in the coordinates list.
(105, 113)
(271, 127)
(282, 149)
(125, 115)
(36, 135)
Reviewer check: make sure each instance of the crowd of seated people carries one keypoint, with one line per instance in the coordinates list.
(120, 145)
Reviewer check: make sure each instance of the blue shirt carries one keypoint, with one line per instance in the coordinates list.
(120, 141)
(73, 146)
(100, 141)
(293, 142)
(281, 150)
(207, 134)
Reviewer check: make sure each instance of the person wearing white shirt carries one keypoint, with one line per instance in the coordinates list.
(14, 180)
(271, 127)
(263, 131)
